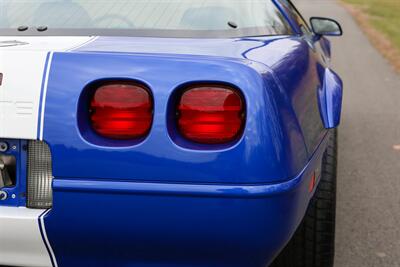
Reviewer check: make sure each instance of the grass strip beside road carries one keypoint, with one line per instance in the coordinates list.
(380, 19)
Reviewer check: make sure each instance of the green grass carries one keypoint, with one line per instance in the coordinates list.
(384, 16)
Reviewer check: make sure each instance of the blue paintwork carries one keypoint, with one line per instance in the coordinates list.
(160, 189)
(41, 94)
(330, 99)
(185, 189)
(165, 201)
(257, 157)
(155, 224)
(45, 241)
(19, 190)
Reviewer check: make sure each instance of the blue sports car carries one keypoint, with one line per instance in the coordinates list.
(176, 133)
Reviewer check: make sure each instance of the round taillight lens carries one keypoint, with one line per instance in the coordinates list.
(211, 114)
(121, 111)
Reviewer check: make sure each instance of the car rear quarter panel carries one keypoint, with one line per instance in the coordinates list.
(163, 200)
(270, 150)
(300, 71)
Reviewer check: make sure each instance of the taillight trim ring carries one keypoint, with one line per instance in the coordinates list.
(85, 128)
(173, 128)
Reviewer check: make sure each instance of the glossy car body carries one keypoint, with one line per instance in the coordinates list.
(166, 201)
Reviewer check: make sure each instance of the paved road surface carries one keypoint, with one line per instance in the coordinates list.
(368, 223)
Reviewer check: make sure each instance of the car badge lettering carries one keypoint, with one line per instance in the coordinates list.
(12, 43)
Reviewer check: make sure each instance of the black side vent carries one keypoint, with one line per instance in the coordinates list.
(40, 176)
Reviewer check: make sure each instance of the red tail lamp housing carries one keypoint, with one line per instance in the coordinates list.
(121, 111)
(211, 114)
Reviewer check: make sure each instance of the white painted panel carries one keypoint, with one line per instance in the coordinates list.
(21, 243)
(20, 92)
(23, 67)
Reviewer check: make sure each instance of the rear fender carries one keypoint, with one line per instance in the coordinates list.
(264, 154)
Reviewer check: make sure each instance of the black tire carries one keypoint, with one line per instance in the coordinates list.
(313, 244)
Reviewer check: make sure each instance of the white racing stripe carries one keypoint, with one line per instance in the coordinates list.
(25, 70)
(21, 243)
(42, 103)
(24, 83)
(46, 240)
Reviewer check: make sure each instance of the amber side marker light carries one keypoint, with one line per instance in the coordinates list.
(121, 111)
(211, 114)
(313, 182)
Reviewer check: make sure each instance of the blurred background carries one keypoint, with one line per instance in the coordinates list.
(368, 59)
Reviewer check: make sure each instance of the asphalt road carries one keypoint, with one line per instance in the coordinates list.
(368, 211)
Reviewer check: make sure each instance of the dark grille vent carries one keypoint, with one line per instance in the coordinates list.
(40, 176)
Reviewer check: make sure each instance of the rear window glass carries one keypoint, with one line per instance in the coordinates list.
(189, 17)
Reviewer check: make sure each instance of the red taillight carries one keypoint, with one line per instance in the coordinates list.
(211, 114)
(121, 111)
